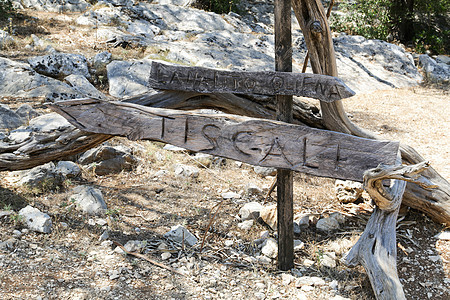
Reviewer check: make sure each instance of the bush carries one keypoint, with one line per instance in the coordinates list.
(218, 6)
(6, 9)
(422, 23)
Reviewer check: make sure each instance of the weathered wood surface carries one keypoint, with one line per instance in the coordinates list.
(285, 182)
(254, 141)
(204, 80)
(376, 248)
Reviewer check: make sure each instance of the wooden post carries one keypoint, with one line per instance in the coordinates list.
(283, 63)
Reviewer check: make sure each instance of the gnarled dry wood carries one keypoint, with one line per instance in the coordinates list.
(312, 19)
(376, 249)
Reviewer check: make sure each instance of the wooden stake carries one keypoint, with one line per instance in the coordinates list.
(283, 63)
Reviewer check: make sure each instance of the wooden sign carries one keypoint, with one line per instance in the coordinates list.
(255, 141)
(203, 80)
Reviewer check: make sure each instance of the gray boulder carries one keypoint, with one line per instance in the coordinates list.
(53, 6)
(9, 119)
(41, 177)
(129, 78)
(36, 220)
(436, 72)
(88, 199)
(80, 84)
(367, 65)
(106, 160)
(328, 224)
(21, 81)
(60, 65)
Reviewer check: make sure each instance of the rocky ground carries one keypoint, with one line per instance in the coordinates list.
(134, 193)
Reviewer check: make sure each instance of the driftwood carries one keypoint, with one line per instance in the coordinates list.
(204, 80)
(376, 248)
(254, 141)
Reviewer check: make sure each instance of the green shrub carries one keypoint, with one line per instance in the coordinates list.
(6, 9)
(218, 6)
(424, 24)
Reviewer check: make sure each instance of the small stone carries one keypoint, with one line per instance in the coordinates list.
(101, 222)
(298, 245)
(264, 260)
(444, 235)
(36, 220)
(114, 274)
(338, 217)
(89, 200)
(270, 248)
(104, 236)
(231, 195)
(286, 278)
(250, 210)
(246, 225)
(176, 234)
(259, 295)
(348, 191)
(308, 263)
(68, 169)
(228, 243)
(105, 288)
(173, 148)
(328, 260)
(135, 246)
(327, 224)
(264, 234)
(269, 215)
(163, 246)
(307, 288)
(297, 229)
(334, 285)
(64, 224)
(106, 244)
(186, 171)
(435, 258)
(166, 255)
(203, 160)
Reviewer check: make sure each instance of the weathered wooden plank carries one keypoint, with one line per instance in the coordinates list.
(254, 141)
(204, 80)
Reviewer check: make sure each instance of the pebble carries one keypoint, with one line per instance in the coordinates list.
(270, 248)
(166, 255)
(246, 225)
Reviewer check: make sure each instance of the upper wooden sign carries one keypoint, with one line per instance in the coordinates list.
(255, 141)
(203, 80)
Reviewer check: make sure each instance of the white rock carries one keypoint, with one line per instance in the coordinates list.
(328, 260)
(264, 171)
(176, 234)
(269, 215)
(186, 171)
(298, 245)
(60, 64)
(264, 260)
(101, 60)
(68, 169)
(327, 224)
(80, 84)
(173, 148)
(308, 263)
(6, 40)
(54, 6)
(302, 220)
(36, 220)
(348, 191)
(270, 248)
(286, 278)
(250, 210)
(166, 255)
(88, 199)
(434, 71)
(231, 195)
(444, 235)
(135, 246)
(246, 225)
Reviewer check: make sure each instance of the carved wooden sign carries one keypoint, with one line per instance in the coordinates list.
(204, 80)
(255, 141)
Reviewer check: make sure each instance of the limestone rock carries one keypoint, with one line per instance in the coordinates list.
(328, 260)
(26, 112)
(106, 160)
(177, 233)
(203, 160)
(269, 215)
(6, 40)
(129, 78)
(250, 211)
(100, 61)
(302, 220)
(54, 6)
(68, 169)
(186, 171)
(80, 84)
(19, 80)
(434, 71)
(327, 224)
(135, 246)
(298, 245)
(88, 199)
(36, 220)
(270, 248)
(348, 191)
(246, 225)
(45, 177)
(9, 119)
(60, 65)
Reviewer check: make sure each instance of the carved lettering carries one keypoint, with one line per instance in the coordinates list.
(277, 82)
(237, 139)
(175, 78)
(211, 132)
(275, 150)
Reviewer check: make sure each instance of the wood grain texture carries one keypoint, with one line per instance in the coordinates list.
(204, 80)
(254, 141)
